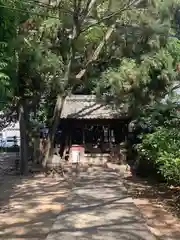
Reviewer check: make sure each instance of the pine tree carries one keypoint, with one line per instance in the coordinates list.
(146, 59)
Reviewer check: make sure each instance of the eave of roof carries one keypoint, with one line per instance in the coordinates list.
(89, 107)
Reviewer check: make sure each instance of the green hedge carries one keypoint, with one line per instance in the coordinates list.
(10, 149)
(162, 149)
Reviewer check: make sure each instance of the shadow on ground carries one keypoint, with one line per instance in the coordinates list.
(29, 206)
(157, 201)
(92, 205)
(99, 208)
(151, 189)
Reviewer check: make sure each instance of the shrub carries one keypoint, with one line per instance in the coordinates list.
(162, 148)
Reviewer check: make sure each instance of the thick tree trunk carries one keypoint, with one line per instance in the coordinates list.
(24, 143)
(51, 138)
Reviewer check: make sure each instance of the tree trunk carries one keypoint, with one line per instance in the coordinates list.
(56, 118)
(37, 149)
(24, 143)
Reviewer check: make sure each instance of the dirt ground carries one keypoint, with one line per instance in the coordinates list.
(29, 206)
(159, 204)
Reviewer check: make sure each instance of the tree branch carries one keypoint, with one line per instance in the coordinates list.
(88, 7)
(87, 10)
(133, 3)
(107, 36)
(96, 53)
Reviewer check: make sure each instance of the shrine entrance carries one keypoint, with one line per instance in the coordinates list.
(93, 125)
(96, 136)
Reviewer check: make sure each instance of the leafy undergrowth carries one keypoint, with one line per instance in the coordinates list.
(160, 205)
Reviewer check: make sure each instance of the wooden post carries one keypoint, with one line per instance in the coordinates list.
(83, 134)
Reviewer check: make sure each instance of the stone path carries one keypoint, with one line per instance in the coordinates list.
(98, 208)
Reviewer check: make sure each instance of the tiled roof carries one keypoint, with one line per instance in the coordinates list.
(88, 107)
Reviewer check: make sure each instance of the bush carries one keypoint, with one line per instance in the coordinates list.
(10, 149)
(162, 148)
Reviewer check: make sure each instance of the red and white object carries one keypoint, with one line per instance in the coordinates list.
(76, 153)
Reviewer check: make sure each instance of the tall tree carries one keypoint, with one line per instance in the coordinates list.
(7, 32)
(30, 69)
(80, 21)
(147, 59)
(61, 45)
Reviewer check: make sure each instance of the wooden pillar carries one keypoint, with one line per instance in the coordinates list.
(123, 145)
(83, 132)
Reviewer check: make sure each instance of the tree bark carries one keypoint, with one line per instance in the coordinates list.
(56, 117)
(37, 149)
(23, 142)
